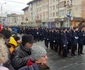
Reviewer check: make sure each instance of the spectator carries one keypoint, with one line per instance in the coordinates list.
(13, 43)
(38, 60)
(4, 56)
(21, 54)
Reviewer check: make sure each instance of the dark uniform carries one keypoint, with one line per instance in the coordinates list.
(46, 37)
(74, 42)
(69, 40)
(64, 43)
(80, 42)
(51, 37)
(56, 40)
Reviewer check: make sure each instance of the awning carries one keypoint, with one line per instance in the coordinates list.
(78, 19)
(38, 21)
(50, 20)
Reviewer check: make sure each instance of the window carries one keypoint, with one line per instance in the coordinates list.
(50, 14)
(62, 13)
(56, 13)
(54, 7)
(50, 7)
(53, 0)
(69, 11)
(53, 14)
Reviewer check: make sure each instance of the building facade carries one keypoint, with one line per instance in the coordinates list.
(26, 14)
(38, 11)
(15, 19)
(3, 20)
(83, 9)
(56, 13)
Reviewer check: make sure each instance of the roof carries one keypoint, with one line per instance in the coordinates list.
(14, 15)
(32, 2)
(25, 8)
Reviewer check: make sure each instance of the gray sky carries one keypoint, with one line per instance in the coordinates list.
(12, 6)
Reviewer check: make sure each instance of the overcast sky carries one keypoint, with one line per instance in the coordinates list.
(12, 6)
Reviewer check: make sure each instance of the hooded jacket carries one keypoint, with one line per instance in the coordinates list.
(13, 44)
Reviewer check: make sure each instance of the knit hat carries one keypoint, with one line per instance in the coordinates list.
(37, 52)
(16, 38)
(27, 38)
(3, 68)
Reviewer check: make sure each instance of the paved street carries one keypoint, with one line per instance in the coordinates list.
(57, 63)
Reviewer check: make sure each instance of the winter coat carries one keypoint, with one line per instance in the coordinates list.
(74, 40)
(32, 67)
(20, 56)
(35, 67)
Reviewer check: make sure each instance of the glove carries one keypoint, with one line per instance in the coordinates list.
(76, 37)
(47, 39)
(37, 32)
(64, 45)
(83, 34)
(54, 41)
(30, 61)
(67, 42)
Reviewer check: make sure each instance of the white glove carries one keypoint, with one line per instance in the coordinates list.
(54, 41)
(83, 34)
(47, 39)
(76, 37)
(67, 42)
(64, 45)
(37, 32)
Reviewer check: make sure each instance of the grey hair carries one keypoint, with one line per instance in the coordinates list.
(3, 51)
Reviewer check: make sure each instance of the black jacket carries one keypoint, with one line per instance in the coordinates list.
(20, 56)
(35, 67)
(32, 67)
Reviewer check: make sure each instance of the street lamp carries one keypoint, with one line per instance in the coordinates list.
(2, 10)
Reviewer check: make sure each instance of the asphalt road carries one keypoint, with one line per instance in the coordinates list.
(55, 62)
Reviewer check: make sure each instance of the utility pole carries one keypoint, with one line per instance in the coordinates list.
(58, 14)
(2, 10)
(1, 13)
(58, 9)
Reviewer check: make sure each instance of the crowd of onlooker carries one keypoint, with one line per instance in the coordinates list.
(20, 54)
